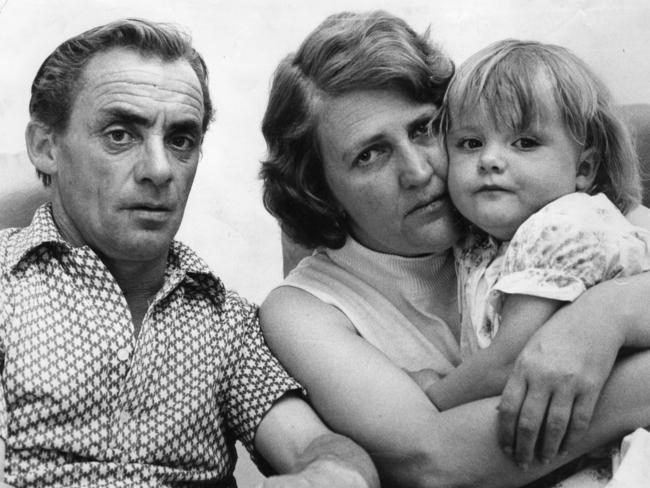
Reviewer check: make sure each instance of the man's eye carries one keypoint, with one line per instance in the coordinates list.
(119, 136)
(182, 142)
(526, 143)
(469, 143)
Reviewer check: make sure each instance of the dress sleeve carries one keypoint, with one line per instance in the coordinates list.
(569, 246)
(257, 380)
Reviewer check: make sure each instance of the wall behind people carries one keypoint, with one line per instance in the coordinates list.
(243, 40)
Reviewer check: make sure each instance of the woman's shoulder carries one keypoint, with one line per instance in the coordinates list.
(289, 306)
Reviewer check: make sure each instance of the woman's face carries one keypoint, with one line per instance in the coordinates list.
(387, 170)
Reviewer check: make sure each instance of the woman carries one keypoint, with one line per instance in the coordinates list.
(356, 169)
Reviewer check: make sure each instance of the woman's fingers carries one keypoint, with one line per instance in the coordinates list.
(512, 399)
(558, 418)
(583, 410)
(531, 418)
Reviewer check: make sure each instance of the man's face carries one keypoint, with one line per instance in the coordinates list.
(125, 164)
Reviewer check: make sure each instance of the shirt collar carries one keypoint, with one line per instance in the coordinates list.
(42, 231)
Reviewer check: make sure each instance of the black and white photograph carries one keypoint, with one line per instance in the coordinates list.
(301, 244)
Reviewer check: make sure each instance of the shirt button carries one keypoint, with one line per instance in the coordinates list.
(123, 354)
(124, 417)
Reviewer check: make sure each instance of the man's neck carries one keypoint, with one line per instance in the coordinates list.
(139, 283)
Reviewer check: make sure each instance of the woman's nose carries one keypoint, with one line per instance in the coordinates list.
(417, 166)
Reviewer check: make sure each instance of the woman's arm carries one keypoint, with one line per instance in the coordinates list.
(360, 393)
(485, 373)
(560, 373)
(568, 360)
(294, 440)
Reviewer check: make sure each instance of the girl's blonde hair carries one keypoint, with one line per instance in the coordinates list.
(502, 81)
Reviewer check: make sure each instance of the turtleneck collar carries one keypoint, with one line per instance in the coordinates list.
(417, 276)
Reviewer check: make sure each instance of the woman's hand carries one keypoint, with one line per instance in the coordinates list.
(549, 399)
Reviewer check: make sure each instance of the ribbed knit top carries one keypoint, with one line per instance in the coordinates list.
(392, 301)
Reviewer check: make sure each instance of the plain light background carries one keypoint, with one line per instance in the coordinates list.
(243, 40)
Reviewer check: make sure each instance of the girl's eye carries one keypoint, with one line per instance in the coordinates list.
(469, 143)
(369, 156)
(525, 143)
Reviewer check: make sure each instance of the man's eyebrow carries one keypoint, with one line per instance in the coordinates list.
(116, 114)
(189, 125)
(125, 116)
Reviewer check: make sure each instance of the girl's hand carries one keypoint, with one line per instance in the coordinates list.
(549, 399)
(320, 474)
(424, 378)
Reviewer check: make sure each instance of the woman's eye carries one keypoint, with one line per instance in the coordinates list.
(469, 143)
(369, 156)
(526, 143)
(427, 129)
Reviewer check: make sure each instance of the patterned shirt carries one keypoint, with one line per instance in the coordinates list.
(86, 403)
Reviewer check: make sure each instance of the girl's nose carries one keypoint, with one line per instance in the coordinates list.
(491, 161)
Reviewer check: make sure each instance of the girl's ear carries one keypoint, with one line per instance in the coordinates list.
(39, 140)
(586, 170)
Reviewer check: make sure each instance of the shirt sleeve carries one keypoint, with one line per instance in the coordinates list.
(571, 245)
(4, 319)
(258, 379)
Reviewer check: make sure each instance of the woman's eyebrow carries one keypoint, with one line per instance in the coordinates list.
(423, 119)
(362, 144)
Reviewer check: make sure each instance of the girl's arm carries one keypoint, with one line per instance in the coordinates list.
(360, 393)
(486, 372)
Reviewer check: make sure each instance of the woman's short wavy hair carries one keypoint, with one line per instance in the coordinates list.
(347, 52)
(501, 81)
(57, 81)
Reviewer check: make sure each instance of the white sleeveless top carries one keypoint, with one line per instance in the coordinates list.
(389, 300)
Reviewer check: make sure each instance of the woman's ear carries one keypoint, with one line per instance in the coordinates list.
(586, 170)
(39, 139)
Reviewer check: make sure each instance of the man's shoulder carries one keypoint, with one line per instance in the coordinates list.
(187, 259)
(9, 238)
(234, 301)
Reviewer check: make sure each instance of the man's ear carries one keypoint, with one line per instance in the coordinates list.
(586, 169)
(39, 139)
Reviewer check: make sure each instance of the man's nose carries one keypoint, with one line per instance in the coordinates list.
(154, 165)
(491, 160)
(416, 166)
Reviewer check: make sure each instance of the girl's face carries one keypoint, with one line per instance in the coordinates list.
(498, 176)
(387, 171)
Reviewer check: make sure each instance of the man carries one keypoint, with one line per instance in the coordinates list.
(125, 361)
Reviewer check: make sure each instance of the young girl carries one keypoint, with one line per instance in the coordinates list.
(544, 171)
